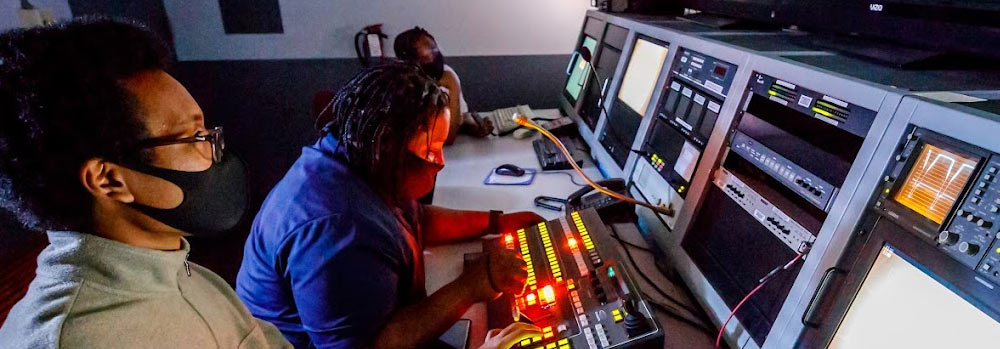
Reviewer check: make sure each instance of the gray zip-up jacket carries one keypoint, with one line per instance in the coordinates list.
(91, 292)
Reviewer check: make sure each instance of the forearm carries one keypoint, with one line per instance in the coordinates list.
(444, 226)
(416, 325)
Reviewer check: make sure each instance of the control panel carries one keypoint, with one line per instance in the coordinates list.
(778, 223)
(687, 112)
(715, 75)
(825, 108)
(972, 230)
(807, 185)
(947, 192)
(576, 290)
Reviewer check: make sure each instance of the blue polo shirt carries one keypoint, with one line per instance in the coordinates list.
(327, 261)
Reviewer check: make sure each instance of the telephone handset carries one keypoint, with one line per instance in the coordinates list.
(368, 44)
(609, 208)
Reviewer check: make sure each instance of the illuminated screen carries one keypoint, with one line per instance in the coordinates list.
(641, 74)
(934, 182)
(580, 70)
(901, 306)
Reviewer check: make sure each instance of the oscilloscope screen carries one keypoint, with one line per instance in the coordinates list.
(935, 181)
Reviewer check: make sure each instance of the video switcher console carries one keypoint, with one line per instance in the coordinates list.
(577, 290)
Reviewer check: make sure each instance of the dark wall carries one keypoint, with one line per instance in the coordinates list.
(149, 12)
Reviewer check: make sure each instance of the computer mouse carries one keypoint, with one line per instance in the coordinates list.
(509, 170)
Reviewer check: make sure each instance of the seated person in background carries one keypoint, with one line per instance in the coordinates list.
(335, 256)
(108, 153)
(417, 46)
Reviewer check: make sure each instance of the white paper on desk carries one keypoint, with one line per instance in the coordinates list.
(494, 179)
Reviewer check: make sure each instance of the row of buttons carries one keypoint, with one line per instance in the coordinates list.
(777, 224)
(808, 187)
(735, 191)
(979, 221)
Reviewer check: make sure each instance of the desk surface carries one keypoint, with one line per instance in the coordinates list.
(460, 186)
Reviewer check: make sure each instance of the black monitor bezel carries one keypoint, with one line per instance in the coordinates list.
(940, 27)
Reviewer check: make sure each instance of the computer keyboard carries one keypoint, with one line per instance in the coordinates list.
(503, 118)
(550, 158)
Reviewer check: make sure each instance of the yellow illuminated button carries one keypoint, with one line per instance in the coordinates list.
(563, 341)
(526, 342)
(550, 345)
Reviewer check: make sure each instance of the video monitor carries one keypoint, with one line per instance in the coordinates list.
(935, 182)
(638, 83)
(902, 305)
(580, 71)
(643, 69)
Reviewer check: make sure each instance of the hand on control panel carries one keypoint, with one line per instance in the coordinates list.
(500, 271)
(513, 221)
(512, 334)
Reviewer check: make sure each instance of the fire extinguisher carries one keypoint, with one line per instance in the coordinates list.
(368, 44)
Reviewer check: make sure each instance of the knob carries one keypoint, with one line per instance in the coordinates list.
(947, 238)
(971, 217)
(984, 223)
(962, 213)
(967, 248)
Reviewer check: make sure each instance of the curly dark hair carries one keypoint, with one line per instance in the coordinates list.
(61, 104)
(405, 43)
(376, 114)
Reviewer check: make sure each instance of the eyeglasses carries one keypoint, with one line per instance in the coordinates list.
(213, 136)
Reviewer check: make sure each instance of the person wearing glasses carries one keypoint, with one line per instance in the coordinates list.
(110, 155)
(335, 255)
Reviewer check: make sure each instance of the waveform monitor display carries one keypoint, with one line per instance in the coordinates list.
(935, 181)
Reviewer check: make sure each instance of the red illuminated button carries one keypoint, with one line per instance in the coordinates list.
(548, 294)
(572, 243)
(508, 239)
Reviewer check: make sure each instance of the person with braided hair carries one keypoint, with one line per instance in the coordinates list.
(335, 255)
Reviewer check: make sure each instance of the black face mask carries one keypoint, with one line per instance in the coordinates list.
(215, 200)
(436, 67)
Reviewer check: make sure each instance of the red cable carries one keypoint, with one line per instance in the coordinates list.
(718, 339)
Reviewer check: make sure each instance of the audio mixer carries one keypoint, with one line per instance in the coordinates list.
(577, 290)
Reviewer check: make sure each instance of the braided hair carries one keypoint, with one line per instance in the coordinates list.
(376, 114)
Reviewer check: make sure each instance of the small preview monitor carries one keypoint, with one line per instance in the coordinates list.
(935, 181)
(641, 74)
(637, 85)
(901, 305)
(580, 71)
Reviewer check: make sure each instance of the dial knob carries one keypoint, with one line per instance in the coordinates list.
(971, 217)
(967, 248)
(984, 223)
(947, 238)
(962, 213)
